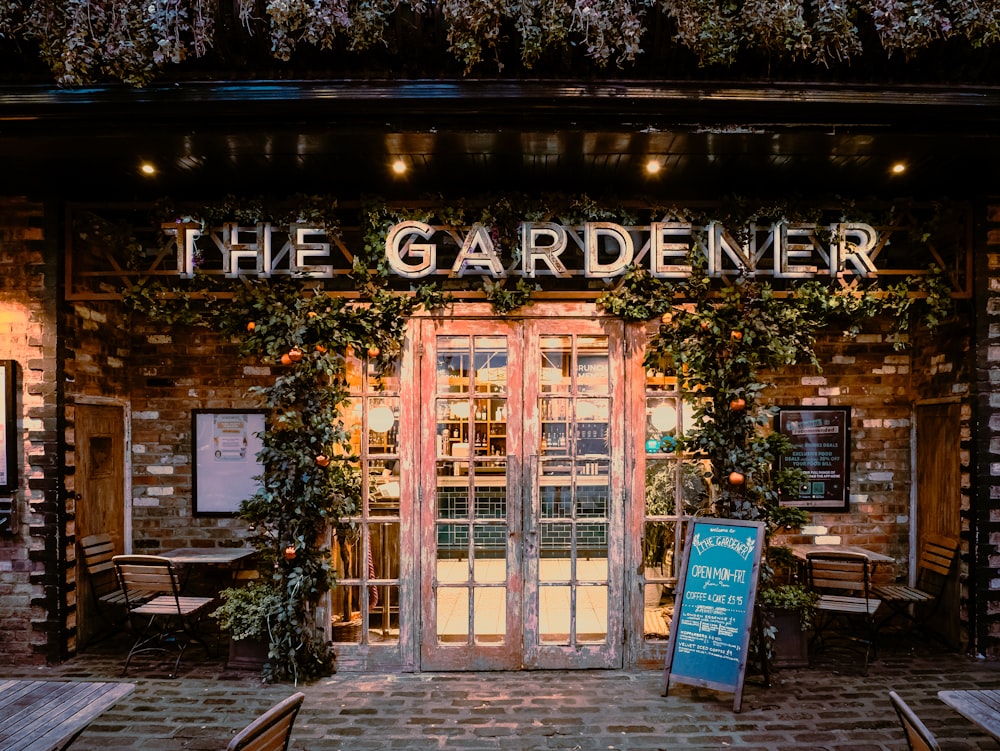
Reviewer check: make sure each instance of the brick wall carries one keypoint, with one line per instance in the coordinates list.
(882, 384)
(175, 371)
(30, 560)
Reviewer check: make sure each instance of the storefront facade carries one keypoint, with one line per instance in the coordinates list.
(508, 458)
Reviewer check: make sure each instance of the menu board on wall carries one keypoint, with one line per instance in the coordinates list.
(713, 608)
(821, 447)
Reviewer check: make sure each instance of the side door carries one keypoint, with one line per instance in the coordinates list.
(100, 488)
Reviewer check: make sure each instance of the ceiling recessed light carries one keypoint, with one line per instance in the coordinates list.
(898, 168)
(653, 166)
(147, 168)
(399, 167)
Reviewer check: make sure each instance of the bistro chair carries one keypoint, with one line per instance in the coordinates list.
(96, 552)
(918, 737)
(272, 730)
(918, 603)
(845, 606)
(164, 620)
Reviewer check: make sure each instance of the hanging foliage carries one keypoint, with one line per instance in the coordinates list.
(86, 41)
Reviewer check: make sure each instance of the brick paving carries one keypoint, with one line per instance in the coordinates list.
(829, 706)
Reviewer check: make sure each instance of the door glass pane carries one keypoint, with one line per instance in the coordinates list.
(554, 614)
(491, 615)
(591, 613)
(556, 356)
(491, 553)
(592, 365)
(453, 364)
(453, 614)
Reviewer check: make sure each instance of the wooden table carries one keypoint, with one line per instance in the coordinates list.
(981, 706)
(49, 715)
(216, 556)
(190, 558)
(802, 552)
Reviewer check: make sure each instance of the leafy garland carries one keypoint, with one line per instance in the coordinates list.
(719, 342)
(83, 41)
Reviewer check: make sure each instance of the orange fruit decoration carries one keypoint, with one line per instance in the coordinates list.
(323, 460)
(736, 478)
(374, 351)
(295, 354)
(286, 360)
(290, 553)
(738, 405)
(706, 325)
(667, 318)
(321, 349)
(736, 335)
(251, 326)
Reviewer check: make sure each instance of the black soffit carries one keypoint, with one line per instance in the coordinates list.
(468, 137)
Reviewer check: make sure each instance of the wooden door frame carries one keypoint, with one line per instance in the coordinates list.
(633, 344)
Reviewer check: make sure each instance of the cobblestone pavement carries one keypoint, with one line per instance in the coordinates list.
(827, 706)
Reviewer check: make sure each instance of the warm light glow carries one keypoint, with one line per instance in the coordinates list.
(664, 417)
(147, 168)
(460, 410)
(898, 168)
(399, 167)
(381, 419)
(653, 166)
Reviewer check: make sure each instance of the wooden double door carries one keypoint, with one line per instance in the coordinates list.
(521, 494)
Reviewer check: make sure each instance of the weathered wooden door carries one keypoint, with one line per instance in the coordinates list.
(100, 489)
(938, 497)
(521, 493)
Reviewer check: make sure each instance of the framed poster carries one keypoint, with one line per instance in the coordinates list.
(713, 609)
(821, 447)
(226, 469)
(8, 427)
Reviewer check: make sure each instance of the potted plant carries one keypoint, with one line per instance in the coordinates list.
(246, 613)
(788, 611)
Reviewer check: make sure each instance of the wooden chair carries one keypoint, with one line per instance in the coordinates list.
(272, 730)
(96, 552)
(149, 583)
(933, 568)
(843, 583)
(918, 737)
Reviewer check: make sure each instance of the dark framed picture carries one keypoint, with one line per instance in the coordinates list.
(821, 447)
(225, 470)
(8, 427)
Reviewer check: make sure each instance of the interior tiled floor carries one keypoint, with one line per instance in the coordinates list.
(489, 600)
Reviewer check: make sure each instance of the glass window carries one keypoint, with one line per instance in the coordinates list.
(365, 548)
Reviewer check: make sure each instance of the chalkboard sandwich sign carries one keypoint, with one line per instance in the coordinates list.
(713, 609)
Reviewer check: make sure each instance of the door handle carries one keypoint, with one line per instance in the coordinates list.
(530, 488)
